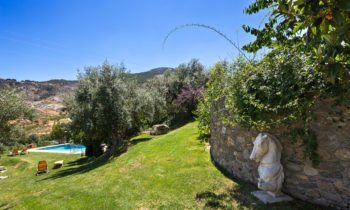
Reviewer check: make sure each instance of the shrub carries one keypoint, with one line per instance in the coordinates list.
(319, 29)
(60, 132)
(188, 99)
(216, 88)
(277, 91)
(33, 138)
(180, 89)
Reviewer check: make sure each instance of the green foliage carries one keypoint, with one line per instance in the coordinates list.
(189, 75)
(155, 92)
(146, 107)
(106, 107)
(40, 141)
(308, 138)
(278, 91)
(215, 89)
(320, 28)
(33, 138)
(203, 118)
(12, 107)
(171, 90)
(60, 132)
(43, 140)
(109, 106)
(3, 148)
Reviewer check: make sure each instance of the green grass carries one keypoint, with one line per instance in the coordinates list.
(172, 171)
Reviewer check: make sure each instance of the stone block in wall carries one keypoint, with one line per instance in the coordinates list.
(343, 154)
(309, 170)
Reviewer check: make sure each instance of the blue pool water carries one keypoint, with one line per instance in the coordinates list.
(67, 148)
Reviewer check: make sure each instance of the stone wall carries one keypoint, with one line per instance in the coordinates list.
(326, 184)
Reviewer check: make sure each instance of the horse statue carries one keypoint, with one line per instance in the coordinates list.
(267, 152)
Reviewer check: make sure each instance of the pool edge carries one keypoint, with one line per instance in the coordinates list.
(37, 149)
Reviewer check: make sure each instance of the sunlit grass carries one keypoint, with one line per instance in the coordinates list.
(172, 171)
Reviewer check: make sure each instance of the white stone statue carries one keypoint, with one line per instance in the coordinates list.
(267, 152)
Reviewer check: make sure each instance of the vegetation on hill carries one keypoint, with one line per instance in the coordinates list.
(142, 77)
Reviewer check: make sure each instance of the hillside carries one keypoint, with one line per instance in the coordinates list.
(47, 97)
(172, 171)
(143, 76)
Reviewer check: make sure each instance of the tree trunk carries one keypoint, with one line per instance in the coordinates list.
(93, 149)
(116, 147)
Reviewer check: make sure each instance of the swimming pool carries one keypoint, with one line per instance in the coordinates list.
(61, 148)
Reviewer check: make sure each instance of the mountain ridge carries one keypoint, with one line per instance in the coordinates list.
(149, 74)
(146, 75)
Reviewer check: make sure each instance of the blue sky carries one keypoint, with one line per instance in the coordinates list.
(52, 39)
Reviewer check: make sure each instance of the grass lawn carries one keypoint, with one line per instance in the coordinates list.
(172, 171)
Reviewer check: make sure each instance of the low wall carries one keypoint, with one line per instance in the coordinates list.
(327, 184)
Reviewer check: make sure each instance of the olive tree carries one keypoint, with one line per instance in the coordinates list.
(12, 107)
(106, 108)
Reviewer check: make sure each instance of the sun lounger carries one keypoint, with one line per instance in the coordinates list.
(42, 167)
(14, 152)
(58, 164)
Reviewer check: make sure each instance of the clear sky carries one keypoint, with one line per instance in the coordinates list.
(51, 39)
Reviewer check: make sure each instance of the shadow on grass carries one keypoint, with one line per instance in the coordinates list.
(79, 166)
(239, 196)
(139, 140)
(83, 165)
(5, 206)
(179, 123)
(214, 201)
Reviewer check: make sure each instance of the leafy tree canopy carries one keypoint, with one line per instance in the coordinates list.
(12, 107)
(181, 88)
(106, 107)
(319, 27)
